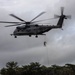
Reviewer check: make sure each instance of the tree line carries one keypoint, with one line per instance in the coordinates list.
(34, 68)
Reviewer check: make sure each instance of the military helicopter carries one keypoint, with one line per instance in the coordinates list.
(30, 28)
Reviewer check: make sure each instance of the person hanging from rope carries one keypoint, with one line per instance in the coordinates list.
(45, 43)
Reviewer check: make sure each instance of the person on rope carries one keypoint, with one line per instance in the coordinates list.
(45, 43)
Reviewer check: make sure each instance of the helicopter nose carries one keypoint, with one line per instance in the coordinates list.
(15, 32)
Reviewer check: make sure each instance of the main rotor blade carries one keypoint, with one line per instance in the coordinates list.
(56, 16)
(37, 16)
(68, 16)
(17, 17)
(62, 10)
(13, 25)
(42, 20)
(8, 22)
(44, 23)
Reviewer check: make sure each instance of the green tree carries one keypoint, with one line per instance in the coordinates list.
(12, 65)
(3, 71)
(11, 68)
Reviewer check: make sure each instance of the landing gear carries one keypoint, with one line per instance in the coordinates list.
(15, 36)
(29, 35)
(36, 36)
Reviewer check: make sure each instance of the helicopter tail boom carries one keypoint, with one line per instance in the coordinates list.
(60, 22)
(61, 18)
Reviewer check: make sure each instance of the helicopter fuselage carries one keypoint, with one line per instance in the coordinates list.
(32, 30)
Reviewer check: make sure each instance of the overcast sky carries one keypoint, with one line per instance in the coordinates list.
(60, 47)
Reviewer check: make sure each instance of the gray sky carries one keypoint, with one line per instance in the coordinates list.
(60, 44)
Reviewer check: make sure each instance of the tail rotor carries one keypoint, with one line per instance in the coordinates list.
(62, 14)
(61, 18)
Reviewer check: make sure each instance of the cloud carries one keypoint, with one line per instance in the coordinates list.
(60, 44)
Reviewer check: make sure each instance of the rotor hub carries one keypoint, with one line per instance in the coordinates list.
(28, 22)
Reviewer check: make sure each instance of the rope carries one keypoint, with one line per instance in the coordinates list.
(46, 48)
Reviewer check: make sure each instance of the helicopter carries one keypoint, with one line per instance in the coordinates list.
(29, 28)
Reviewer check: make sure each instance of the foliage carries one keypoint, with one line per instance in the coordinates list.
(12, 68)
